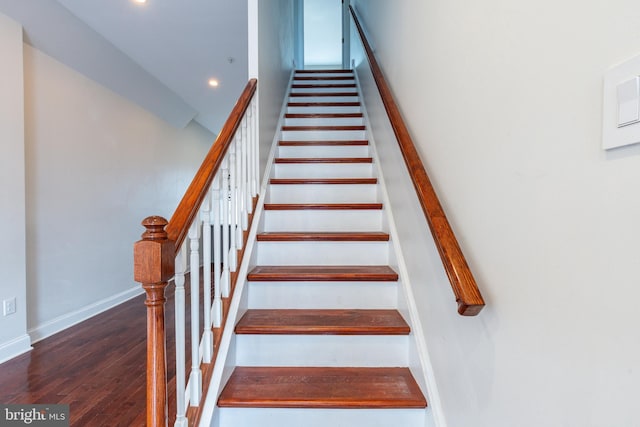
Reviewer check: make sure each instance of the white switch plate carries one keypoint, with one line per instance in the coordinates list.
(614, 133)
(628, 102)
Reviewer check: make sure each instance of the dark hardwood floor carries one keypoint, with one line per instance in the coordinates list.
(97, 367)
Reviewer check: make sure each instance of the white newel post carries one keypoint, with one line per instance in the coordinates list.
(207, 333)
(195, 379)
(181, 405)
(215, 218)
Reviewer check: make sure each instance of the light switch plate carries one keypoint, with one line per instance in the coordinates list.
(628, 102)
(621, 114)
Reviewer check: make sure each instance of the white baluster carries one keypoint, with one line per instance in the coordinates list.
(226, 224)
(181, 268)
(195, 379)
(233, 193)
(245, 192)
(238, 193)
(256, 146)
(215, 214)
(250, 160)
(207, 334)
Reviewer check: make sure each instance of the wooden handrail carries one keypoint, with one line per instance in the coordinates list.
(464, 286)
(178, 226)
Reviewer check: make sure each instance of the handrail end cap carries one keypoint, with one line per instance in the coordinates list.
(469, 309)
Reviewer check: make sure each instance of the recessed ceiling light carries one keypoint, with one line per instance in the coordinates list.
(213, 83)
(140, 1)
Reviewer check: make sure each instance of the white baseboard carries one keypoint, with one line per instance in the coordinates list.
(15, 347)
(67, 320)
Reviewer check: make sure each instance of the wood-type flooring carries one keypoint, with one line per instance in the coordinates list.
(96, 367)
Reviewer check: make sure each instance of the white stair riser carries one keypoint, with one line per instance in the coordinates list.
(322, 193)
(320, 295)
(320, 110)
(324, 170)
(350, 98)
(322, 135)
(323, 89)
(324, 151)
(323, 220)
(298, 417)
(322, 350)
(322, 253)
(324, 121)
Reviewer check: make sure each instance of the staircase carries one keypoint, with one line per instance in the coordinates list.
(323, 341)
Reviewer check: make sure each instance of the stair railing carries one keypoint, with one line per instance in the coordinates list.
(216, 211)
(464, 286)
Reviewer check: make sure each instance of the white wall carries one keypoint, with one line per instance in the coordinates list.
(504, 101)
(275, 52)
(96, 165)
(13, 328)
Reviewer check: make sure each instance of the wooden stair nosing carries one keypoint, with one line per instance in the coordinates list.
(321, 387)
(353, 142)
(322, 115)
(322, 128)
(323, 273)
(321, 206)
(324, 104)
(322, 160)
(322, 85)
(321, 94)
(313, 78)
(334, 236)
(327, 71)
(332, 181)
(321, 322)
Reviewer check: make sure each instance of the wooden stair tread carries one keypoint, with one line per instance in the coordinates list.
(320, 206)
(322, 273)
(313, 387)
(322, 322)
(323, 143)
(324, 104)
(291, 181)
(311, 78)
(322, 128)
(288, 160)
(320, 94)
(307, 236)
(322, 115)
(328, 71)
(323, 85)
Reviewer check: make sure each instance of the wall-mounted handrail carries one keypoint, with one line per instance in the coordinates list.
(464, 286)
(217, 210)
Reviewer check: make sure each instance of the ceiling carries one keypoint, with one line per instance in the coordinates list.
(159, 54)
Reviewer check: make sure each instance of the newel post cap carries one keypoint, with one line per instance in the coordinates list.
(154, 255)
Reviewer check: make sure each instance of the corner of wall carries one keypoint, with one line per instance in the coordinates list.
(13, 327)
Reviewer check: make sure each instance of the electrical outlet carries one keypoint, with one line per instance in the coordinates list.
(9, 306)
